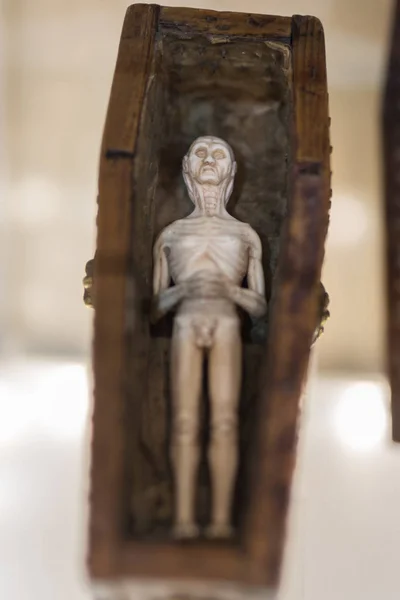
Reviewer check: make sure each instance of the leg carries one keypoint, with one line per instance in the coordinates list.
(224, 383)
(186, 376)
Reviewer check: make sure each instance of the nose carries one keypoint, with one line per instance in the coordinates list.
(209, 160)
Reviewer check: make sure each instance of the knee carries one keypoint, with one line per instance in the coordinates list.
(224, 427)
(184, 430)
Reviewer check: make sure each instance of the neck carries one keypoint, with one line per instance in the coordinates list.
(211, 200)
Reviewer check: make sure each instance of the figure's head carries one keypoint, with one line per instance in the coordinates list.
(210, 161)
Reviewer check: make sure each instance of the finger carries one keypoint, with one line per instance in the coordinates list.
(212, 291)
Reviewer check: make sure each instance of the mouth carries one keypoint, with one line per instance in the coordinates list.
(208, 172)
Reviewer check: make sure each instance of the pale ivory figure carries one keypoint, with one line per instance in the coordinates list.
(207, 255)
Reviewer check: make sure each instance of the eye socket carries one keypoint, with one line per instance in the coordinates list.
(201, 152)
(219, 154)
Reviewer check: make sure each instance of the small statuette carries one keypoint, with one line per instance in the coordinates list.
(206, 256)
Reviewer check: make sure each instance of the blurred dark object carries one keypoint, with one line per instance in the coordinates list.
(391, 142)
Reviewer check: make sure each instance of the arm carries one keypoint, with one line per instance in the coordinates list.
(252, 300)
(164, 297)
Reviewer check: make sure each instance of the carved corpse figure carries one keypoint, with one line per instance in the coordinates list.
(207, 255)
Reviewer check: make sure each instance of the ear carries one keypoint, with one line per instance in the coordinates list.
(234, 169)
(188, 181)
(228, 191)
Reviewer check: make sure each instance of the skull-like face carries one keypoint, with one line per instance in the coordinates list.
(210, 160)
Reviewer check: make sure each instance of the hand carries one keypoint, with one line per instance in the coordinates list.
(206, 284)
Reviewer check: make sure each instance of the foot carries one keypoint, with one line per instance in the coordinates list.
(185, 531)
(220, 531)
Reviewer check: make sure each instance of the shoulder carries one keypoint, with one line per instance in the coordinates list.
(166, 234)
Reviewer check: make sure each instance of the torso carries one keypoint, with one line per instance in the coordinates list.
(214, 244)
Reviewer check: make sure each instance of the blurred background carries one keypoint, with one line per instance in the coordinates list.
(57, 60)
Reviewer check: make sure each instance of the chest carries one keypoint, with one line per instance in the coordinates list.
(210, 239)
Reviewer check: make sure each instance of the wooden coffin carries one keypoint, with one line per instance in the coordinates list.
(260, 83)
